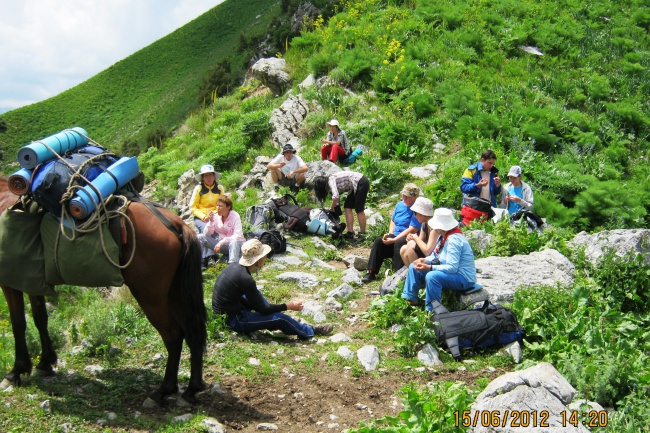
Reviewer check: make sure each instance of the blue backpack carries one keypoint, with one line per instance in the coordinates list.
(485, 326)
(352, 157)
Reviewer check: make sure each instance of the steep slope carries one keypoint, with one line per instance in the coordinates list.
(155, 87)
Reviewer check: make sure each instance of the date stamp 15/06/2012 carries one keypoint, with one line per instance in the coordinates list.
(529, 418)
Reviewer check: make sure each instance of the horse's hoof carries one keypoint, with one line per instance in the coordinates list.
(6, 383)
(44, 373)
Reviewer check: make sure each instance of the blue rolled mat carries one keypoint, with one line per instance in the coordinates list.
(116, 176)
(36, 153)
(20, 181)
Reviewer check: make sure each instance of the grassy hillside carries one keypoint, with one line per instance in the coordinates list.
(409, 75)
(155, 88)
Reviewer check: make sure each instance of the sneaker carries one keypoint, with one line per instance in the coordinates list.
(276, 187)
(349, 235)
(323, 329)
(369, 277)
(294, 189)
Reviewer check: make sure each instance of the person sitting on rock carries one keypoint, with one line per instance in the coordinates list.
(335, 146)
(204, 197)
(450, 266)
(402, 223)
(226, 223)
(288, 169)
(420, 244)
(236, 295)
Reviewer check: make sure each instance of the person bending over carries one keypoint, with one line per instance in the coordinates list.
(357, 186)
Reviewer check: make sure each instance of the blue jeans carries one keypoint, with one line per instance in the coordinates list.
(247, 321)
(433, 281)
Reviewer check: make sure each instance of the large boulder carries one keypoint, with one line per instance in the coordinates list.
(621, 241)
(536, 394)
(502, 276)
(270, 71)
(317, 169)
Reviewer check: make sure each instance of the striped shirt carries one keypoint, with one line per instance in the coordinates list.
(344, 181)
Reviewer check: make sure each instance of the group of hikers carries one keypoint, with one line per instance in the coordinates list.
(428, 243)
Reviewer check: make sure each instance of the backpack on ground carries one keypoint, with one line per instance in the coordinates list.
(488, 325)
(325, 222)
(287, 211)
(533, 220)
(275, 240)
(260, 217)
(352, 157)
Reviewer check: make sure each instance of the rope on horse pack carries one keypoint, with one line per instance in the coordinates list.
(100, 216)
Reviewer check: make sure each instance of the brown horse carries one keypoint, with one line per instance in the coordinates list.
(164, 277)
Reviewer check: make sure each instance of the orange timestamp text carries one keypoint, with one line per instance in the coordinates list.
(498, 418)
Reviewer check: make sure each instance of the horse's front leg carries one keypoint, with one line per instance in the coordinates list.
(22, 362)
(48, 354)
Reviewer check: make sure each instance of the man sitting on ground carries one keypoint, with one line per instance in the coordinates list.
(236, 295)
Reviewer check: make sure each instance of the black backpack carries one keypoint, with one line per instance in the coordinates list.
(488, 325)
(288, 211)
(275, 240)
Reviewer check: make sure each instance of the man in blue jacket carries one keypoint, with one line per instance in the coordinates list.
(481, 180)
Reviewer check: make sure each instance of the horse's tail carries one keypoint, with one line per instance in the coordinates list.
(190, 281)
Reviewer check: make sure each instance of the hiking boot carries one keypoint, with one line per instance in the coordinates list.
(276, 188)
(323, 329)
(294, 189)
(369, 277)
(349, 235)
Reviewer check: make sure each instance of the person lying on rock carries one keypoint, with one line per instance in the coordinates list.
(450, 266)
(236, 295)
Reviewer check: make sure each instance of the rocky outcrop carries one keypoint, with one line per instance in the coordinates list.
(287, 120)
(271, 73)
(305, 14)
(621, 241)
(536, 393)
(502, 276)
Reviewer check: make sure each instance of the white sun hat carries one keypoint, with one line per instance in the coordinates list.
(333, 122)
(207, 168)
(423, 206)
(443, 219)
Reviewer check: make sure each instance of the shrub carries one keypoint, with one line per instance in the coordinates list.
(624, 282)
(255, 128)
(602, 205)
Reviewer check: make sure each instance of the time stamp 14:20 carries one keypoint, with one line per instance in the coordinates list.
(528, 418)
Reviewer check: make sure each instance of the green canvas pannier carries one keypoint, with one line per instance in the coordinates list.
(22, 264)
(80, 262)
